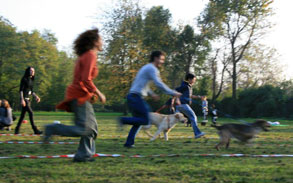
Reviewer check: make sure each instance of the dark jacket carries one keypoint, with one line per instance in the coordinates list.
(26, 84)
(186, 91)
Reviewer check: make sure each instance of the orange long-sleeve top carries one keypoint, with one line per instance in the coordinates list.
(82, 87)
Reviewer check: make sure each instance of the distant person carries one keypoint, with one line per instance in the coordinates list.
(6, 117)
(205, 110)
(214, 114)
(139, 89)
(79, 96)
(185, 102)
(26, 91)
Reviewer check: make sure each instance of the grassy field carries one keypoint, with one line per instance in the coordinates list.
(188, 167)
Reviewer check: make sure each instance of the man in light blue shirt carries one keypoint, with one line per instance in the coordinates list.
(141, 88)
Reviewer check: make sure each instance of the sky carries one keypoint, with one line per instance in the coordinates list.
(68, 18)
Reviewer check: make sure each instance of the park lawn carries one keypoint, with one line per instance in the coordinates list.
(187, 167)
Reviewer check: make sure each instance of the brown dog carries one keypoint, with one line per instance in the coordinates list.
(242, 132)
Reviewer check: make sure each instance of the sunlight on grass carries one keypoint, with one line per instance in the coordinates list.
(184, 168)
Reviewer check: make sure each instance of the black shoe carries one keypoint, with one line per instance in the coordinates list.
(38, 132)
(83, 160)
(129, 146)
(16, 131)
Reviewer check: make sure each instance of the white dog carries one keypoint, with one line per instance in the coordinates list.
(164, 123)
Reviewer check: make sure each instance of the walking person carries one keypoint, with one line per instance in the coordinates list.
(186, 100)
(139, 89)
(79, 95)
(26, 91)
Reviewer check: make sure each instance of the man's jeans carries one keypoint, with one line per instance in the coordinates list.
(140, 112)
(186, 109)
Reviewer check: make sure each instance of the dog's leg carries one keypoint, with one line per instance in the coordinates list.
(156, 134)
(228, 143)
(166, 135)
(148, 133)
(224, 139)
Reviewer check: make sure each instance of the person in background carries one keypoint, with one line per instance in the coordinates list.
(205, 110)
(26, 91)
(79, 96)
(214, 114)
(6, 117)
(140, 88)
(186, 100)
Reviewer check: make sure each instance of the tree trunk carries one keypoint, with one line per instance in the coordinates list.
(234, 81)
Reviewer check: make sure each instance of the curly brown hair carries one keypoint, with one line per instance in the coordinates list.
(86, 41)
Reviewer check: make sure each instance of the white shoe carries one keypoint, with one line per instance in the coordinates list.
(199, 135)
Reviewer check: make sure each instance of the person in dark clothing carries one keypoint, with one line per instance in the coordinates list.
(185, 100)
(214, 114)
(25, 91)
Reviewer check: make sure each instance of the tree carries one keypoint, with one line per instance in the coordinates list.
(238, 24)
(260, 67)
(18, 50)
(191, 49)
(158, 34)
(9, 53)
(125, 53)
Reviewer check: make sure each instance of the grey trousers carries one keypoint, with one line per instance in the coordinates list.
(85, 127)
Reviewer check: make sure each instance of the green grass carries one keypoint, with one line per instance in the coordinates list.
(187, 168)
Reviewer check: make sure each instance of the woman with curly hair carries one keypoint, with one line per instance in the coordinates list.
(79, 96)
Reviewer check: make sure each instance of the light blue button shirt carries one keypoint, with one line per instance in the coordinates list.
(146, 75)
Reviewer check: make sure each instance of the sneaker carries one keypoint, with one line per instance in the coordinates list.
(38, 132)
(199, 135)
(129, 146)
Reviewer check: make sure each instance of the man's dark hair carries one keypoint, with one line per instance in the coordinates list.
(189, 76)
(156, 54)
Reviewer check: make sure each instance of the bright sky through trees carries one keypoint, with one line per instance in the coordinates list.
(67, 18)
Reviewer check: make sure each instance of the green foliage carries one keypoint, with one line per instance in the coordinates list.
(158, 34)
(131, 32)
(237, 24)
(19, 50)
(265, 101)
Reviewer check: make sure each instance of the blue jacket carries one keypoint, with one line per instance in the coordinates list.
(186, 91)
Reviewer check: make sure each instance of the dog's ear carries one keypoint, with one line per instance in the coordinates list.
(177, 115)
